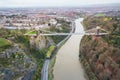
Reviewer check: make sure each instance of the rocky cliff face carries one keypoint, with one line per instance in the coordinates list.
(39, 42)
(15, 64)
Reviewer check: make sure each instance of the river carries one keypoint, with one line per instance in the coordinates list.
(67, 65)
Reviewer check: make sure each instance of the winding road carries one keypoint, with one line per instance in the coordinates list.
(44, 72)
(67, 66)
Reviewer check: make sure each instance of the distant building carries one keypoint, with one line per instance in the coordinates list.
(53, 21)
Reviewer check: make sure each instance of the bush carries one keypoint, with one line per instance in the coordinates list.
(50, 51)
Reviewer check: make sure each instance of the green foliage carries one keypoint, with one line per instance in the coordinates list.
(57, 39)
(50, 51)
(99, 15)
(22, 39)
(17, 36)
(111, 25)
(39, 56)
(101, 53)
(5, 32)
(4, 42)
(31, 32)
(51, 65)
(4, 62)
(11, 33)
(113, 40)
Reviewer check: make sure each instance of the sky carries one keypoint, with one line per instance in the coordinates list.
(52, 3)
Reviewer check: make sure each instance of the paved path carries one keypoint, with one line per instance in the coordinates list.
(44, 73)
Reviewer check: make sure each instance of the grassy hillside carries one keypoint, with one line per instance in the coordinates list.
(101, 55)
(4, 42)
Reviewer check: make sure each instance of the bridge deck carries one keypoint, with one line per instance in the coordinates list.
(64, 34)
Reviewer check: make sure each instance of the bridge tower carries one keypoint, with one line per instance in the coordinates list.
(97, 30)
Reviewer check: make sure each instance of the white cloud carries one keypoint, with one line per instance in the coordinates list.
(30, 3)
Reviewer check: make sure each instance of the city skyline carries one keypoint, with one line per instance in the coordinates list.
(53, 3)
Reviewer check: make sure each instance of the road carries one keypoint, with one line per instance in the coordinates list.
(67, 66)
(44, 73)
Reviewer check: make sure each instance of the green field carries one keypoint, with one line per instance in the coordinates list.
(31, 33)
(99, 15)
(50, 51)
(4, 42)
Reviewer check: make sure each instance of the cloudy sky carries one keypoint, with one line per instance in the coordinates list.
(52, 3)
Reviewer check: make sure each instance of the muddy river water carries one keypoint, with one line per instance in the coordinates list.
(67, 65)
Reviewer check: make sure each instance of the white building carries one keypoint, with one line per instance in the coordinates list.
(53, 21)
